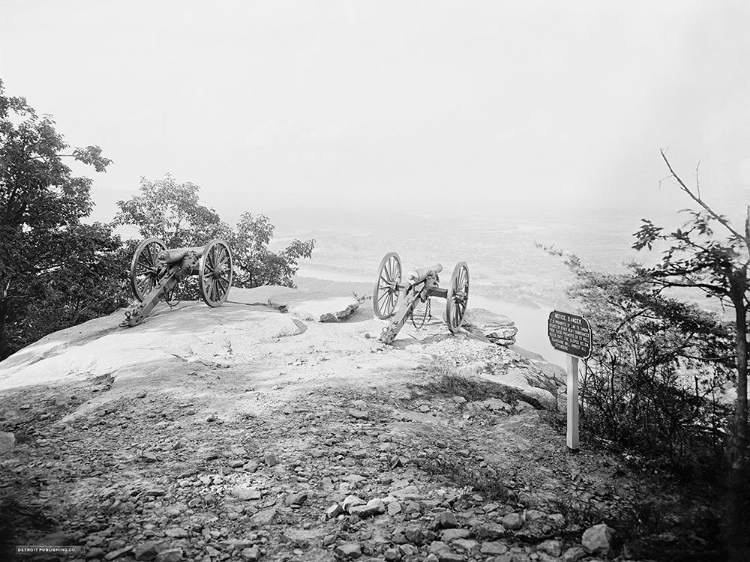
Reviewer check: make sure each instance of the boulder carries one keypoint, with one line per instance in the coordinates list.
(598, 539)
(497, 328)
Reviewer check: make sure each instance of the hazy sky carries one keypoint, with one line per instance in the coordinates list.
(265, 104)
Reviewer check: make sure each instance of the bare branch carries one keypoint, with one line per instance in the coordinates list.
(697, 181)
(709, 210)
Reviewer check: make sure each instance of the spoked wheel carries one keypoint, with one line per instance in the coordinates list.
(215, 273)
(458, 297)
(145, 270)
(386, 294)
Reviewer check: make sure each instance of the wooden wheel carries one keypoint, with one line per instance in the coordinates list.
(458, 297)
(145, 270)
(215, 273)
(386, 293)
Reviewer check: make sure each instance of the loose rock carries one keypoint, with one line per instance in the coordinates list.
(598, 539)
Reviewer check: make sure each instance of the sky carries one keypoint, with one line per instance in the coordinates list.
(357, 107)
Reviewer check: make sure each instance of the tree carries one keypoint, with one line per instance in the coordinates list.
(172, 212)
(256, 265)
(41, 205)
(657, 371)
(697, 258)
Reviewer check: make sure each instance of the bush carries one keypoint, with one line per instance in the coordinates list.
(655, 382)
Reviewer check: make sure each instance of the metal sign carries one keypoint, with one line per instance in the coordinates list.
(570, 334)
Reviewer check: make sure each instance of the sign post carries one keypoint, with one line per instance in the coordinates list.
(571, 334)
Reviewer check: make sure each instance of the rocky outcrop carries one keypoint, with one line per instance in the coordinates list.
(497, 328)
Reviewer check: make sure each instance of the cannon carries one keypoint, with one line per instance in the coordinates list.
(420, 285)
(155, 272)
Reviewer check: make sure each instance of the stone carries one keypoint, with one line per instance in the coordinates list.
(438, 546)
(246, 494)
(451, 534)
(393, 508)
(349, 550)
(170, 555)
(551, 547)
(251, 554)
(441, 552)
(373, 507)
(424, 408)
(489, 531)
(497, 328)
(351, 501)
(176, 533)
(392, 555)
(558, 519)
(334, 511)
(7, 441)
(302, 538)
(353, 478)
(598, 539)
(414, 535)
(115, 553)
(95, 552)
(271, 459)
(574, 554)
(467, 544)
(297, 499)
(264, 517)
(358, 414)
(407, 493)
(493, 547)
(145, 551)
(459, 400)
(534, 514)
(512, 521)
(446, 520)
(155, 491)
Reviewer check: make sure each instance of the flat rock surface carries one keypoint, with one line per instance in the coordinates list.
(307, 305)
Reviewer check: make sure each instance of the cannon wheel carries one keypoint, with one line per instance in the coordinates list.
(145, 272)
(386, 294)
(215, 273)
(458, 297)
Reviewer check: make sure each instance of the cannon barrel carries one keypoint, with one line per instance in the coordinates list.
(177, 254)
(420, 274)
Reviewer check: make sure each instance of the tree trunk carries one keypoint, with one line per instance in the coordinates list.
(740, 424)
(3, 317)
(738, 487)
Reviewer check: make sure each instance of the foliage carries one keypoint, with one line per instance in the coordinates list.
(662, 368)
(42, 242)
(172, 212)
(657, 373)
(256, 264)
(698, 257)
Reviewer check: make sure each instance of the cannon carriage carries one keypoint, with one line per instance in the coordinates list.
(156, 270)
(420, 284)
